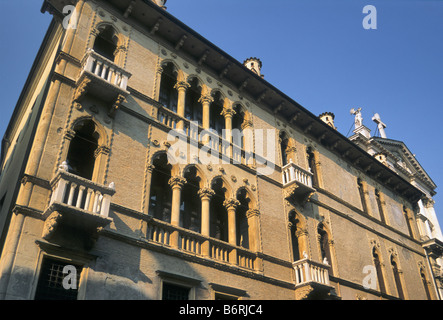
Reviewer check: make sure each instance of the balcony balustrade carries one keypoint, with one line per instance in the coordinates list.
(77, 204)
(312, 280)
(103, 77)
(297, 181)
(194, 243)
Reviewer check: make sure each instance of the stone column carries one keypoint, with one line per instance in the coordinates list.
(176, 184)
(231, 205)
(181, 87)
(205, 196)
(206, 101)
(228, 113)
(248, 143)
(253, 216)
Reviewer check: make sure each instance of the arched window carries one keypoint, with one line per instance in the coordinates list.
(379, 270)
(380, 206)
(284, 143)
(425, 282)
(193, 108)
(191, 203)
(168, 93)
(81, 154)
(408, 221)
(216, 119)
(295, 229)
(219, 214)
(242, 224)
(312, 166)
(105, 43)
(361, 191)
(237, 122)
(161, 194)
(397, 278)
(324, 243)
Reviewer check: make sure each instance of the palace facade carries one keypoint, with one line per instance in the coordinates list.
(143, 162)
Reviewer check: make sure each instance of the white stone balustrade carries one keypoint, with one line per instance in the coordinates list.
(291, 172)
(83, 194)
(309, 271)
(105, 69)
(192, 242)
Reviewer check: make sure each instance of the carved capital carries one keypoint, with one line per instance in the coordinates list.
(206, 193)
(231, 204)
(228, 112)
(206, 99)
(177, 182)
(182, 85)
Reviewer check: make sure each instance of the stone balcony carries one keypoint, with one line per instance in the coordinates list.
(102, 78)
(196, 244)
(311, 280)
(78, 208)
(297, 182)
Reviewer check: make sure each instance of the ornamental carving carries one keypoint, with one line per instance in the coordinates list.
(51, 224)
(177, 182)
(231, 204)
(206, 193)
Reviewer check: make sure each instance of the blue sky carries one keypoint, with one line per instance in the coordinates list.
(315, 51)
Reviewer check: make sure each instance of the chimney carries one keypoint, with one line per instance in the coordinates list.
(328, 118)
(160, 3)
(254, 64)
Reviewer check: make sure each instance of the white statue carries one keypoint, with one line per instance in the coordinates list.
(358, 117)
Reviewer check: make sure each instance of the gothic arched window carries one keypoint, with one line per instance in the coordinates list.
(219, 214)
(193, 108)
(81, 156)
(161, 194)
(379, 270)
(191, 204)
(168, 94)
(105, 43)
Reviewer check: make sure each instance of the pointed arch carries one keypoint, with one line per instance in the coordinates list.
(426, 283)
(219, 227)
(168, 94)
(325, 243)
(108, 39)
(287, 148)
(88, 149)
(397, 276)
(193, 107)
(378, 264)
(160, 198)
(298, 235)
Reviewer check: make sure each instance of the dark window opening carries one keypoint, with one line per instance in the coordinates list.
(312, 167)
(81, 154)
(217, 120)
(397, 279)
(425, 285)
(161, 194)
(191, 203)
(324, 244)
(294, 236)
(193, 108)
(237, 121)
(362, 195)
(175, 292)
(380, 206)
(242, 224)
(219, 214)
(168, 92)
(50, 283)
(284, 142)
(105, 44)
(378, 268)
